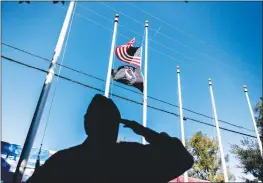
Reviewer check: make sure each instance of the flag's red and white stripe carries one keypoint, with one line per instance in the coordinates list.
(121, 53)
(131, 42)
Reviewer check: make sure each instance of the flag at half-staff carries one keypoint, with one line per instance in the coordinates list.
(128, 75)
(129, 54)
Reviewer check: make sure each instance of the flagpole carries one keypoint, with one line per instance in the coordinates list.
(218, 132)
(20, 168)
(107, 87)
(181, 115)
(145, 79)
(253, 119)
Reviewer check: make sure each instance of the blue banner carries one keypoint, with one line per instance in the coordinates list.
(10, 154)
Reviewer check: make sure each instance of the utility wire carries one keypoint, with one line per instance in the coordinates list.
(77, 82)
(29, 53)
(151, 40)
(133, 30)
(124, 98)
(165, 35)
(158, 31)
(78, 71)
(128, 38)
(189, 35)
(153, 98)
(149, 48)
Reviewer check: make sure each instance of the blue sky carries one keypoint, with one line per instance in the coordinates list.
(234, 29)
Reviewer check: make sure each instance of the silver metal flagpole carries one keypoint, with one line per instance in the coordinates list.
(107, 87)
(145, 79)
(20, 169)
(253, 119)
(218, 132)
(181, 115)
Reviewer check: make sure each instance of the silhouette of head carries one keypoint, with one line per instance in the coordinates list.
(102, 120)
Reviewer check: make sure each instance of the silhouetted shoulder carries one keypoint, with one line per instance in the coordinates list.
(161, 161)
(172, 157)
(54, 167)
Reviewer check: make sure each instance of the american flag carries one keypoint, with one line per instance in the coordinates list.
(129, 54)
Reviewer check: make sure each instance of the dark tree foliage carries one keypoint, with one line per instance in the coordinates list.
(248, 152)
(248, 155)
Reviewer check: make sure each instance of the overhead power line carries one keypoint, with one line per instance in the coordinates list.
(150, 48)
(187, 34)
(121, 97)
(160, 44)
(169, 37)
(37, 56)
(151, 40)
(153, 98)
(128, 38)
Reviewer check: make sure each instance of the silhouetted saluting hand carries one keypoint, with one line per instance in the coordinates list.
(150, 135)
(136, 127)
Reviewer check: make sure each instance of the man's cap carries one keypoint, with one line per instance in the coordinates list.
(104, 105)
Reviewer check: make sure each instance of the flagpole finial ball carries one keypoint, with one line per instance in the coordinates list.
(209, 79)
(244, 86)
(117, 15)
(178, 67)
(146, 23)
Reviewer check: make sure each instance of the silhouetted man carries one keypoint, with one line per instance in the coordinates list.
(101, 159)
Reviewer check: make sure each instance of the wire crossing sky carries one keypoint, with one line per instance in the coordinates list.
(119, 86)
(68, 79)
(217, 40)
